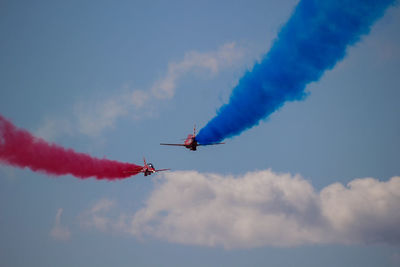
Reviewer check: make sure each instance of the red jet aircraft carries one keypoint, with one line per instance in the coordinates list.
(191, 142)
(147, 169)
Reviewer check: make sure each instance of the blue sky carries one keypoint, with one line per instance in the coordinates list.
(115, 80)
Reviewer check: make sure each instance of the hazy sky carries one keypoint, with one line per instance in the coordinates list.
(311, 186)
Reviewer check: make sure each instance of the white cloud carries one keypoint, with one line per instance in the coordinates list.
(60, 232)
(95, 216)
(139, 98)
(265, 208)
(225, 56)
(51, 128)
(259, 208)
(94, 116)
(98, 217)
(366, 211)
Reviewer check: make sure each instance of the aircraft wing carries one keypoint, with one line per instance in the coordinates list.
(211, 144)
(161, 170)
(172, 144)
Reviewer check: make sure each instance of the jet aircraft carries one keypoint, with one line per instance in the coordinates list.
(147, 169)
(191, 142)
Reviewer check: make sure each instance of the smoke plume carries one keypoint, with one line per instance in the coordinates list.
(313, 40)
(19, 148)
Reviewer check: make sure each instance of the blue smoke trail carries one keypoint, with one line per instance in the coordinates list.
(313, 40)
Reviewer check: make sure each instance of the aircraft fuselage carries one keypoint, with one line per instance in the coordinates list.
(191, 142)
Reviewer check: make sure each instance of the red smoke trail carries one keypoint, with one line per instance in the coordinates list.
(21, 149)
